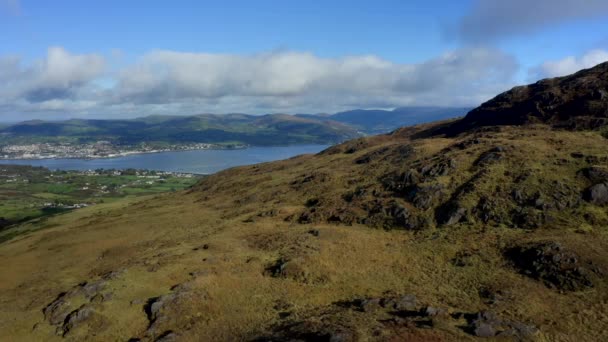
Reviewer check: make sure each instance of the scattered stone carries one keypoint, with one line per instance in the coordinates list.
(368, 305)
(431, 311)
(556, 266)
(406, 303)
(488, 324)
(597, 194)
(201, 247)
(314, 232)
(441, 168)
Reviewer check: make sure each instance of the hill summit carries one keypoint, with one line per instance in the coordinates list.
(578, 101)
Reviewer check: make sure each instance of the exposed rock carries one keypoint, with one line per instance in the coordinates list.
(452, 215)
(493, 155)
(60, 310)
(574, 102)
(440, 168)
(77, 317)
(595, 174)
(597, 194)
(405, 303)
(425, 196)
(167, 336)
(555, 266)
(56, 312)
(400, 214)
(529, 218)
(162, 310)
(488, 324)
(371, 156)
(402, 182)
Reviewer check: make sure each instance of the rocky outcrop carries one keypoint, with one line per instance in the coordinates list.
(554, 265)
(63, 313)
(578, 101)
(396, 318)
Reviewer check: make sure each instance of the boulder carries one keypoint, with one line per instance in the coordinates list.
(597, 194)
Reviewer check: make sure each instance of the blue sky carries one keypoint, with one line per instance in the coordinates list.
(62, 59)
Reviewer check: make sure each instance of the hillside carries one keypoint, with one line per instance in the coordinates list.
(207, 128)
(578, 101)
(439, 232)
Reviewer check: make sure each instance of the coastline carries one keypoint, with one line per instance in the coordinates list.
(123, 154)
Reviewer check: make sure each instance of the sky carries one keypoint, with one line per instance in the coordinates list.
(122, 59)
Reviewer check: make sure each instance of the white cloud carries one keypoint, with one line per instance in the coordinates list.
(59, 75)
(168, 82)
(494, 19)
(570, 64)
(289, 79)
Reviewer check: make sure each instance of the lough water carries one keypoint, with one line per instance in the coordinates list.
(198, 161)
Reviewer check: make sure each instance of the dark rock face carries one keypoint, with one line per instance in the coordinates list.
(578, 101)
(451, 215)
(557, 267)
(597, 194)
(596, 174)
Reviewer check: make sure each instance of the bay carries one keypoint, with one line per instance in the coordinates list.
(197, 161)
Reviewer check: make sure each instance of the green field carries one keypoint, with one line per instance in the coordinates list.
(31, 192)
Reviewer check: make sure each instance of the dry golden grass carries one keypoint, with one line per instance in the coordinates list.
(245, 216)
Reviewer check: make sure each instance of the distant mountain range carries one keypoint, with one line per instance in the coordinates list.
(259, 130)
(376, 121)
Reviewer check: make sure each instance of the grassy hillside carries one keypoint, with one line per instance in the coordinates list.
(330, 245)
(231, 128)
(430, 233)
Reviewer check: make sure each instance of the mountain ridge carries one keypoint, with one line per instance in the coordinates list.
(268, 129)
(577, 102)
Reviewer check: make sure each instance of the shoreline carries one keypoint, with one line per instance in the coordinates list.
(125, 154)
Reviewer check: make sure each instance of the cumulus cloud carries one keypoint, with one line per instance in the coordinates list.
(291, 78)
(169, 82)
(60, 75)
(570, 64)
(489, 20)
